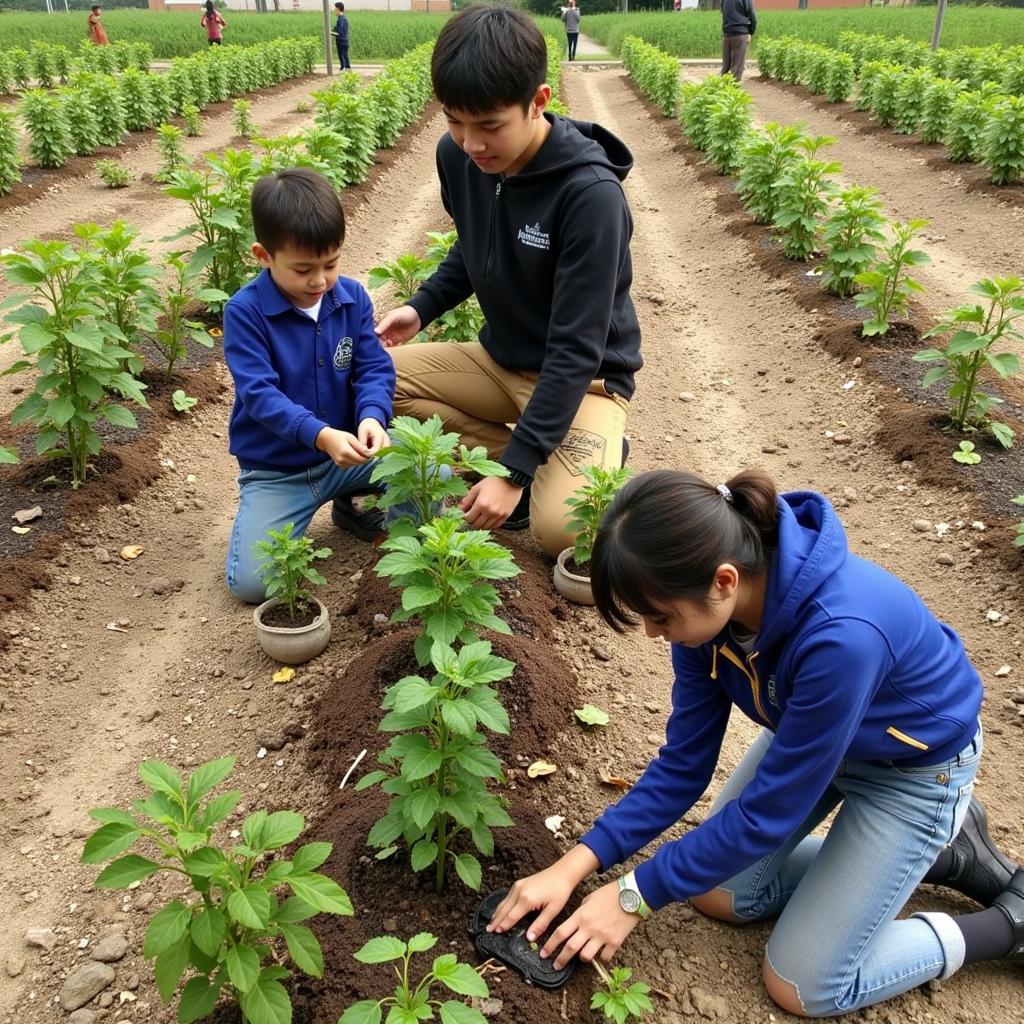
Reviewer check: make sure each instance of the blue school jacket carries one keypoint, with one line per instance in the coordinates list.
(293, 377)
(849, 663)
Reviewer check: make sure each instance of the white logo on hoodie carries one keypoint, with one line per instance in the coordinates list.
(534, 237)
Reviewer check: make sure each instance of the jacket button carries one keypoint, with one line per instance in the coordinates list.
(321, 362)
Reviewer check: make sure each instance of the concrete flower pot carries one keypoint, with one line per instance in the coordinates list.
(292, 646)
(571, 586)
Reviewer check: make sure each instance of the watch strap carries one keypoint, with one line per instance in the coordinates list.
(628, 881)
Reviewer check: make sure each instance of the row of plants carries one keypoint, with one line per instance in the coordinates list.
(786, 184)
(349, 126)
(45, 64)
(980, 120)
(95, 110)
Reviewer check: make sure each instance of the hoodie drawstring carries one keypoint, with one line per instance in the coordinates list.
(714, 661)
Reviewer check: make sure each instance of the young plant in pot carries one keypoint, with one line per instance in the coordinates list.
(586, 510)
(292, 625)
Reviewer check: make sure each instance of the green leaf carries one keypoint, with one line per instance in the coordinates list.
(309, 857)
(421, 942)
(267, 1002)
(421, 762)
(105, 815)
(453, 1012)
(293, 910)
(281, 828)
(220, 807)
(108, 841)
(208, 929)
(423, 806)
(468, 869)
(381, 950)
(418, 597)
(322, 893)
(121, 873)
(413, 692)
(198, 998)
(591, 715)
(423, 854)
(204, 863)
(250, 906)
(208, 775)
(371, 779)
(161, 778)
(304, 949)
(166, 927)
(169, 967)
(243, 964)
(460, 979)
(119, 415)
(365, 1012)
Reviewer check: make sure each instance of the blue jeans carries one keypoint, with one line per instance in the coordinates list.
(837, 940)
(270, 500)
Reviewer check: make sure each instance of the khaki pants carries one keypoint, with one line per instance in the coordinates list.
(734, 55)
(478, 398)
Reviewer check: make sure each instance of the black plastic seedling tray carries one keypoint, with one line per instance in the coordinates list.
(513, 949)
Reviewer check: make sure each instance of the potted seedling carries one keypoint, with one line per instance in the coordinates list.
(292, 625)
(586, 509)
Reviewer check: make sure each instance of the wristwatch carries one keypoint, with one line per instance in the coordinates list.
(629, 897)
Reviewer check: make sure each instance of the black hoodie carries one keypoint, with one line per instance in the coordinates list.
(738, 18)
(547, 253)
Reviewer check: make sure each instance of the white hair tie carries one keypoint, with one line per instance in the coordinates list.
(724, 492)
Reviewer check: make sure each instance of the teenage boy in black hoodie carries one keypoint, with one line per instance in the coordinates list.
(544, 233)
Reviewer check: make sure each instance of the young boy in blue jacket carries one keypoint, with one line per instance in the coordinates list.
(340, 33)
(868, 706)
(313, 386)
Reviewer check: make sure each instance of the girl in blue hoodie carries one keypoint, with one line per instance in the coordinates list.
(867, 704)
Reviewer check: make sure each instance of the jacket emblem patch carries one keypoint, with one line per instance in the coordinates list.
(343, 354)
(534, 237)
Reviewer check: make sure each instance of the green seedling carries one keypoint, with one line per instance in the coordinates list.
(412, 1002)
(175, 328)
(588, 505)
(590, 715)
(1018, 539)
(850, 237)
(287, 567)
(113, 174)
(804, 191)
(618, 1000)
(966, 455)
(222, 933)
(183, 402)
(886, 289)
(765, 156)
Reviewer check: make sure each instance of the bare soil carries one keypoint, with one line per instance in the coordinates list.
(121, 661)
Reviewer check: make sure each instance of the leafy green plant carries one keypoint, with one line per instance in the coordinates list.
(1002, 140)
(349, 116)
(910, 96)
(655, 72)
(966, 123)
(436, 768)
(887, 288)
(224, 930)
(172, 153)
(885, 94)
(83, 125)
(804, 191)
(405, 274)
(113, 174)
(976, 328)
(588, 504)
(764, 158)
(841, 78)
(193, 122)
(9, 173)
(935, 112)
(591, 715)
(1018, 539)
(618, 1000)
(850, 236)
(966, 454)
(287, 568)
(77, 352)
(244, 124)
(410, 1003)
(183, 402)
(22, 69)
(105, 96)
(175, 329)
(696, 104)
(728, 126)
(869, 71)
(50, 142)
(421, 470)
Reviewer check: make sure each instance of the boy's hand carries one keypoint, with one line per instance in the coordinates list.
(345, 449)
(399, 326)
(372, 436)
(598, 928)
(490, 502)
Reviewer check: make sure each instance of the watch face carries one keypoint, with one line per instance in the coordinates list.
(629, 901)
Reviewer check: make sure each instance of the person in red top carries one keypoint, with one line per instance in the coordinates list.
(213, 23)
(96, 30)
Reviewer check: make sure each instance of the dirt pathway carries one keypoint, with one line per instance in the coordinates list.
(733, 377)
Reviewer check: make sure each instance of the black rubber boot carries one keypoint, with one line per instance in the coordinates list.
(365, 524)
(978, 868)
(1011, 902)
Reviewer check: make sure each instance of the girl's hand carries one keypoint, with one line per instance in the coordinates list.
(547, 891)
(598, 928)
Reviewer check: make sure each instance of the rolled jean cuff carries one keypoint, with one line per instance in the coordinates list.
(950, 938)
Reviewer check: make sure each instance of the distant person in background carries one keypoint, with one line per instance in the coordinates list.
(571, 15)
(739, 22)
(340, 34)
(96, 30)
(214, 24)
(677, 5)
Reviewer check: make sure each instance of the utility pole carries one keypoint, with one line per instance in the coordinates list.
(328, 46)
(940, 13)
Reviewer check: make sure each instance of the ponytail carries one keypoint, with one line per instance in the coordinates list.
(667, 532)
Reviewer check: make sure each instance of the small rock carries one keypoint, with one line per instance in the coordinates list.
(380, 621)
(111, 948)
(945, 559)
(707, 1005)
(14, 966)
(857, 362)
(294, 730)
(160, 585)
(75, 581)
(599, 652)
(769, 449)
(992, 615)
(686, 396)
(45, 938)
(27, 515)
(102, 555)
(390, 924)
(149, 714)
(921, 525)
(488, 1007)
(850, 493)
(106, 1000)
(272, 742)
(842, 439)
(83, 1016)
(1003, 670)
(84, 983)
(144, 900)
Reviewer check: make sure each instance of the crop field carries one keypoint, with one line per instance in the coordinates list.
(828, 287)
